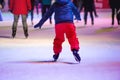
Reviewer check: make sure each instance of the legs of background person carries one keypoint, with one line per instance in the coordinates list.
(45, 8)
(113, 14)
(37, 9)
(85, 17)
(25, 26)
(32, 16)
(92, 19)
(118, 15)
(14, 26)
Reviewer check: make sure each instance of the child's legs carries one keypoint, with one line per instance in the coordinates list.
(59, 38)
(71, 35)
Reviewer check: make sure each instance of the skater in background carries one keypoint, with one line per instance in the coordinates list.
(115, 6)
(89, 7)
(20, 7)
(45, 7)
(78, 4)
(118, 16)
(64, 10)
(32, 11)
(118, 12)
(2, 3)
(95, 12)
(34, 3)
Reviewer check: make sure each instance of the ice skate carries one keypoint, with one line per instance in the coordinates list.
(76, 55)
(55, 57)
(26, 33)
(13, 33)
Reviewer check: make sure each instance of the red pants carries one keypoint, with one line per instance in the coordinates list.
(70, 31)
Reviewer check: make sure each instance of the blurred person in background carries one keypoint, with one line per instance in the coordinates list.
(2, 3)
(19, 8)
(115, 6)
(32, 10)
(34, 4)
(88, 6)
(45, 7)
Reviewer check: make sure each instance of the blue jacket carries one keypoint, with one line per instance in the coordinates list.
(64, 11)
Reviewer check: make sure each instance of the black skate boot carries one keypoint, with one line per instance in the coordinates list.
(26, 33)
(55, 57)
(76, 55)
(92, 23)
(13, 33)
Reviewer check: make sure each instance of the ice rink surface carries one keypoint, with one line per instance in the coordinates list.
(31, 59)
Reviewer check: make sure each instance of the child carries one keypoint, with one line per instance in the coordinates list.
(64, 10)
(20, 7)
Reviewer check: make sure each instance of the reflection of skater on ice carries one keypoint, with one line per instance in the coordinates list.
(64, 10)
